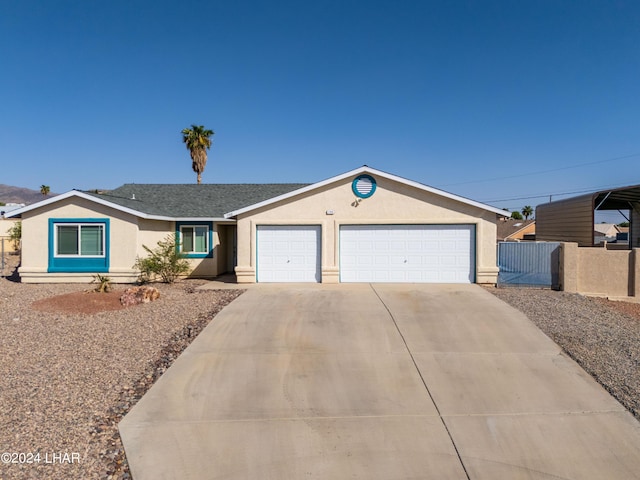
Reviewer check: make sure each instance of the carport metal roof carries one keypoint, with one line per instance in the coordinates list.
(617, 199)
(572, 219)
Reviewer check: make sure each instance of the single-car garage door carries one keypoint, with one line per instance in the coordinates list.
(288, 253)
(407, 253)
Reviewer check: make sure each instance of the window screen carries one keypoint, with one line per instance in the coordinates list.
(80, 240)
(194, 239)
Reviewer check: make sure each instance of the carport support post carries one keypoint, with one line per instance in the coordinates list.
(568, 274)
(635, 272)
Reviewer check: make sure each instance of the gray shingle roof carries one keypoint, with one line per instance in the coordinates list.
(192, 200)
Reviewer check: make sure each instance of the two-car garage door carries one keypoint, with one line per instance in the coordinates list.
(370, 253)
(407, 253)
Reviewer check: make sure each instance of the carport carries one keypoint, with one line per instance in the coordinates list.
(572, 219)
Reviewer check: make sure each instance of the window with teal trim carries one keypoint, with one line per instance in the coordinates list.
(195, 239)
(80, 240)
(78, 245)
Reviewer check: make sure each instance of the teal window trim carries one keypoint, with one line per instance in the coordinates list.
(78, 263)
(209, 225)
(355, 183)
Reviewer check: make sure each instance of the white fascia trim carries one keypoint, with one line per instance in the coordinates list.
(57, 198)
(196, 219)
(373, 171)
(115, 206)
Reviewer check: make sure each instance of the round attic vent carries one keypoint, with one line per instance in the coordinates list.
(364, 186)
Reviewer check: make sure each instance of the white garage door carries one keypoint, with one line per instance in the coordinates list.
(288, 253)
(407, 253)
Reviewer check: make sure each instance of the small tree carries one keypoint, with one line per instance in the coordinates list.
(15, 234)
(165, 261)
(44, 190)
(516, 215)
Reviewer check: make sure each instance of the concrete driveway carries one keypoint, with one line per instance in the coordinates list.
(377, 382)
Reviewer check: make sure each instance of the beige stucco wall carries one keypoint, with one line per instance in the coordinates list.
(152, 231)
(392, 203)
(35, 247)
(598, 271)
(128, 234)
(603, 271)
(7, 224)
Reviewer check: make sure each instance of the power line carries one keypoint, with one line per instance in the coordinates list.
(540, 172)
(550, 194)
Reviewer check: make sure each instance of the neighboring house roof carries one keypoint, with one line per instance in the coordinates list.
(510, 228)
(372, 171)
(607, 229)
(9, 207)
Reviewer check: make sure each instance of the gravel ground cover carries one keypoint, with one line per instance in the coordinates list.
(602, 336)
(66, 378)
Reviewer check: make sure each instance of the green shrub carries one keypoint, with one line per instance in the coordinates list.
(164, 261)
(15, 234)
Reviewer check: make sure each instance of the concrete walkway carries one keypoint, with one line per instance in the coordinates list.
(377, 382)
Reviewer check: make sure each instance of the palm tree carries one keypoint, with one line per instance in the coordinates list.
(197, 140)
(44, 190)
(527, 211)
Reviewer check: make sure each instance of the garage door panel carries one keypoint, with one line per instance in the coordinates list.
(382, 262)
(350, 261)
(288, 253)
(448, 261)
(396, 260)
(407, 253)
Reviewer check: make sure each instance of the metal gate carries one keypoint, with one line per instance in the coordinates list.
(533, 264)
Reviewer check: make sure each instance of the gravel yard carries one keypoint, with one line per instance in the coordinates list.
(602, 336)
(66, 379)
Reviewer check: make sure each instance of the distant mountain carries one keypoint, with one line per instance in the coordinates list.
(9, 194)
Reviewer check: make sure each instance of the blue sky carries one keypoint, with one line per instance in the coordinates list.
(492, 100)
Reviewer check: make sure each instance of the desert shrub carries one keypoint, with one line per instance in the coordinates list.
(104, 283)
(15, 234)
(165, 261)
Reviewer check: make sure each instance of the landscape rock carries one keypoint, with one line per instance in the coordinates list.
(138, 295)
